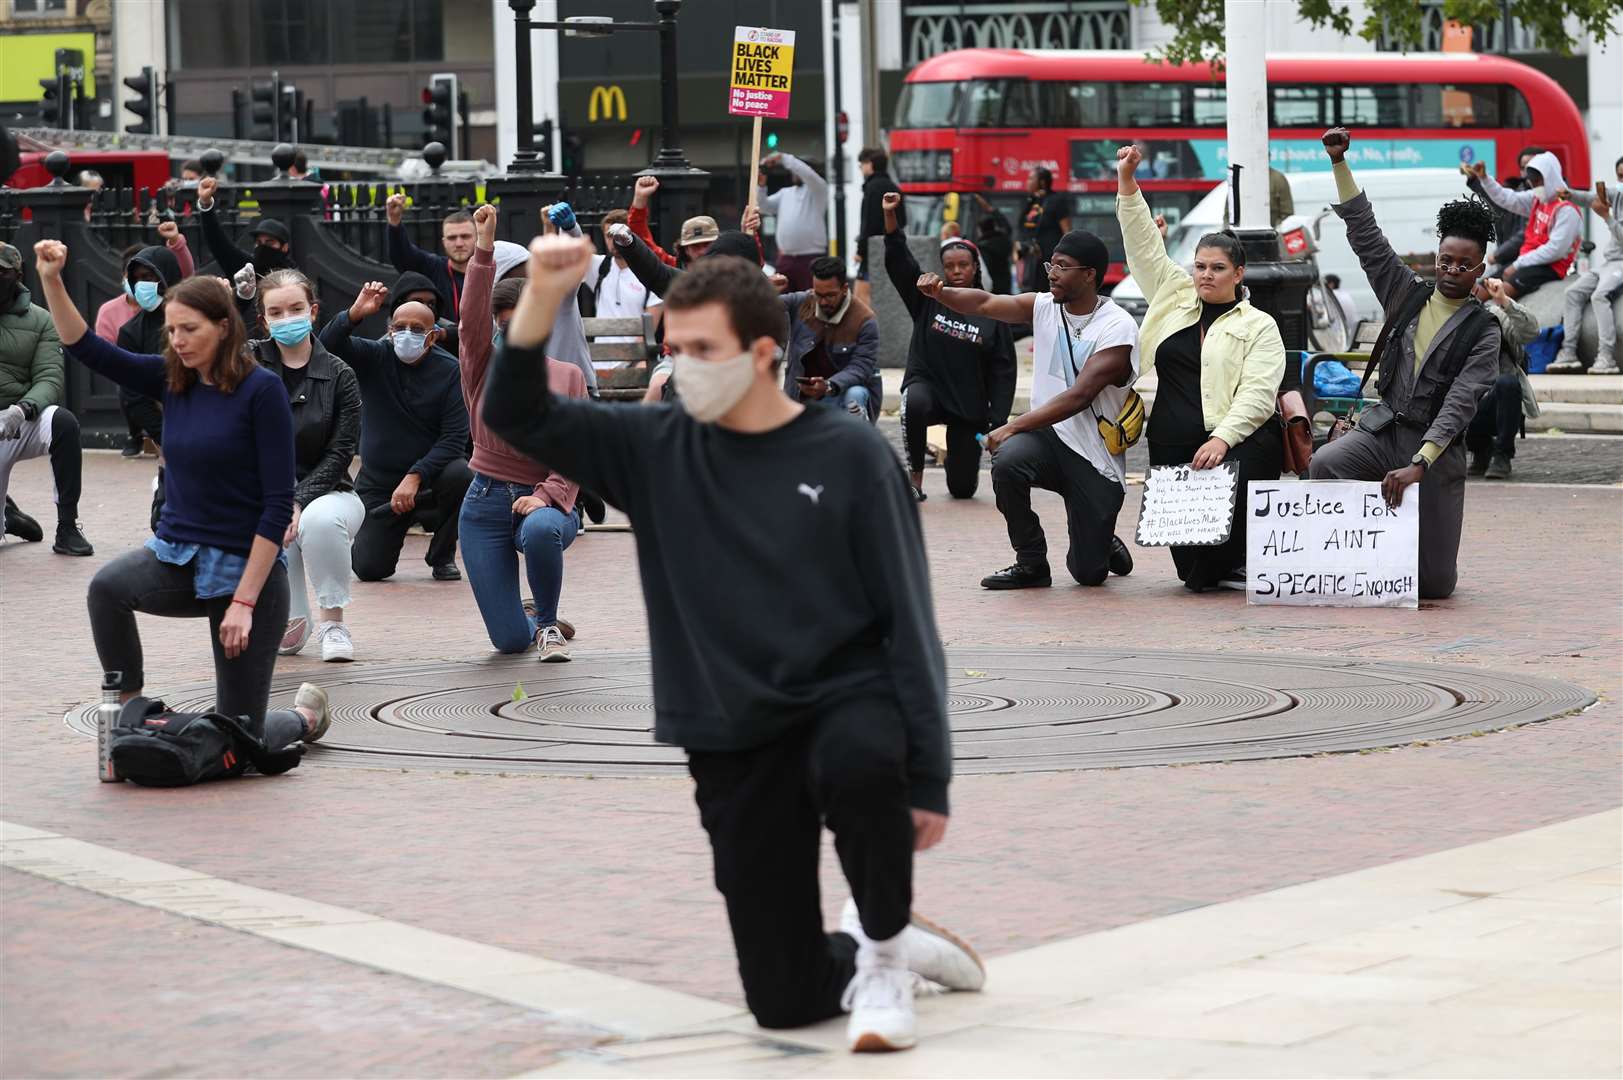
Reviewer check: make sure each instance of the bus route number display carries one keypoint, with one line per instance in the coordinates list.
(762, 69)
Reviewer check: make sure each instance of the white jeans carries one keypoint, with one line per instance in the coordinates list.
(327, 527)
(1594, 288)
(33, 441)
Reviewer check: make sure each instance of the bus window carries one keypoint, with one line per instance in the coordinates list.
(1074, 104)
(1211, 106)
(1380, 105)
(927, 105)
(982, 104)
(1020, 106)
(1517, 114)
(1150, 104)
(1299, 106)
(1447, 106)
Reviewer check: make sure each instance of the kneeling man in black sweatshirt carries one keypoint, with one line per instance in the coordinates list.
(796, 706)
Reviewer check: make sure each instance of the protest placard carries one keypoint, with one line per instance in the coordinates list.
(1331, 543)
(763, 67)
(1184, 505)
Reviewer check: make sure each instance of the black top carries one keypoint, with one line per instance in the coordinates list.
(1043, 218)
(325, 398)
(997, 254)
(874, 190)
(293, 379)
(968, 359)
(782, 571)
(1178, 416)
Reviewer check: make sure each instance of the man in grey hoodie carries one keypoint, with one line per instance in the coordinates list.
(1597, 288)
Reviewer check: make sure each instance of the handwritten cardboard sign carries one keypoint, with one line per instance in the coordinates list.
(763, 65)
(1331, 543)
(1187, 506)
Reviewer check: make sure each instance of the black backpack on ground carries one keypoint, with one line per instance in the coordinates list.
(155, 747)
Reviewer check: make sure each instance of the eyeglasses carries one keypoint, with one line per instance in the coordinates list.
(1444, 266)
(1056, 268)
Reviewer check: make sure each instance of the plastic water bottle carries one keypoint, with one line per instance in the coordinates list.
(107, 714)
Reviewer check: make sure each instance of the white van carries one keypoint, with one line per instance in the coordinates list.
(1406, 203)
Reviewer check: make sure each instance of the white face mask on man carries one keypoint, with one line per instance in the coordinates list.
(708, 389)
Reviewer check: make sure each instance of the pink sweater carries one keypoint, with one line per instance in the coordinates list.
(491, 456)
(111, 316)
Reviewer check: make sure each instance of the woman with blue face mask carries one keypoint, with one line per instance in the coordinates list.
(149, 274)
(326, 401)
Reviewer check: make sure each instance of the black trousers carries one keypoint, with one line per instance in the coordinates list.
(1498, 418)
(765, 809)
(1261, 456)
(376, 551)
(920, 410)
(143, 415)
(1038, 459)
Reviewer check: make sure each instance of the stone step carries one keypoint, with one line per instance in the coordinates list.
(1576, 418)
(1579, 389)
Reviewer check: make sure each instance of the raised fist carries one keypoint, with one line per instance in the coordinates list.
(206, 188)
(563, 216)
(395, 208)
(369, 302)
(168, 231)
(772, 160)
(779, 282)
(891, 201)
(931, 285)
(50, 256)
(621, 234)
(1495, 289)
(1336, 141)
(244, 282)
(644, 190)
(1127, 161)
(1161, 225)
(559, 262)
(484, 220)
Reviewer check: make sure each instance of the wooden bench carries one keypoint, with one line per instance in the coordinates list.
(633, 360)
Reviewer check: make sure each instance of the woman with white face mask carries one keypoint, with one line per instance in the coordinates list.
(326, 401)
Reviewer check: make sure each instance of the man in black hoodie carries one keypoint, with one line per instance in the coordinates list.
(148, 276)
(876, 184)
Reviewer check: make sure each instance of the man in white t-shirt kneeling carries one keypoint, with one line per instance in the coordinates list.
(1086, 358)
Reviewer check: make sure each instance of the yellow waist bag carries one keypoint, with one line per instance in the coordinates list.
(1127, 427)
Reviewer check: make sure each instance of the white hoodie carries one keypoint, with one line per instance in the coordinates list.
(1568, 224)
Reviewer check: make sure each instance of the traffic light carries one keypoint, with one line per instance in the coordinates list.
(574, 155)
(264, 110)
(292, 126)
(772, 141)
(54, 104)
(440, 119)
(543, 144)
(144, 104)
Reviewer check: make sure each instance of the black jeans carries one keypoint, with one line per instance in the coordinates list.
(143, 415)
(919, 411)
(376, 551)
(138, 581)
(765, 809)
(1498, 418)
(1038, 459)
(1260, 456)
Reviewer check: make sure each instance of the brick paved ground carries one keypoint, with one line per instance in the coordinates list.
(614, 875)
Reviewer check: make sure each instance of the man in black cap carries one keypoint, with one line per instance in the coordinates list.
(272, 242)
(1085, 358)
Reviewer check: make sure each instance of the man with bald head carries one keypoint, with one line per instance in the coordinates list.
(414, 434)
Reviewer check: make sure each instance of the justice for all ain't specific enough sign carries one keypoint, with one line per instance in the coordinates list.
(1331, 543)
(762, 69)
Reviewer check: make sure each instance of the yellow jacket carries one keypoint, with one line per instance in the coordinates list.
(1243, 357)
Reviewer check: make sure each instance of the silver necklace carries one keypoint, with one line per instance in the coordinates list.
(1065, 318)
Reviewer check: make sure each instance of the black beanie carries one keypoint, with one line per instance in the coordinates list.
(1088, 250)
(736, 243)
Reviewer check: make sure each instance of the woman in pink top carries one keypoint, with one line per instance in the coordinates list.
(141, 414)
(514, 504)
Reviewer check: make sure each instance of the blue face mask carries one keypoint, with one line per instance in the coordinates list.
(409, 345)
(291, 330)
(144, 293)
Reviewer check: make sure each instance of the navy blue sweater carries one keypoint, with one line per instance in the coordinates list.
(228, 458)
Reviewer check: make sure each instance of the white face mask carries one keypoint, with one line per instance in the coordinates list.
(708, 389)
(409, 345)
(1538, 192)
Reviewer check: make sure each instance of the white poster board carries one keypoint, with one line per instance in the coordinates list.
(1331, 543)
(1187, 506)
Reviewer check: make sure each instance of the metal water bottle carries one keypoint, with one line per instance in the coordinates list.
(107, 714)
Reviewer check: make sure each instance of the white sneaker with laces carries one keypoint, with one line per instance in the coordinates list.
(932, 952)
(550, 644)
(336, 644)
(880, 999)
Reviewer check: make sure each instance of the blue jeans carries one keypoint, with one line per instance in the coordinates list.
(854, 400)
(492, 537)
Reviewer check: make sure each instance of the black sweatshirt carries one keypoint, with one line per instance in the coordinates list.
(968, 359)
(782, 571)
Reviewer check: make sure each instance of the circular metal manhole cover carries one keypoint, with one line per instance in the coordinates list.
(1012, 710)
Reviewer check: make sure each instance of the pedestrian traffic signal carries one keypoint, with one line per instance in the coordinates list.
(264, 110)
(574, 155)
(144, 104)
(440, 120)
(772, 140)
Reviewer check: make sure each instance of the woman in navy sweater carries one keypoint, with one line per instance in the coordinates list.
(228, 448)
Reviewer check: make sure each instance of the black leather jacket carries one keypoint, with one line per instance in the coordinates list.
(326, 420)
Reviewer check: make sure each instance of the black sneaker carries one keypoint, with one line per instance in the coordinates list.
(1121, 560)
(70, 541)
(593, 507)
(1498, 468)
(22, 526)
(1018, 576)
(133, 446)
(918, 494)
(1479, 464)
(447, 571)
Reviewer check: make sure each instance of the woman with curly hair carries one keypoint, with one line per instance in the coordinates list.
(1437, 354)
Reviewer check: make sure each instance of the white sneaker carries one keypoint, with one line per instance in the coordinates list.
(932, 952)
(294, 637)
(1566, 363)
(1603, 367)
(880, 1000)
(314, 698)
(550, 645)
(336, 644)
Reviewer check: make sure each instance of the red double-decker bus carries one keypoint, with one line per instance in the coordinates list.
(977, 121)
